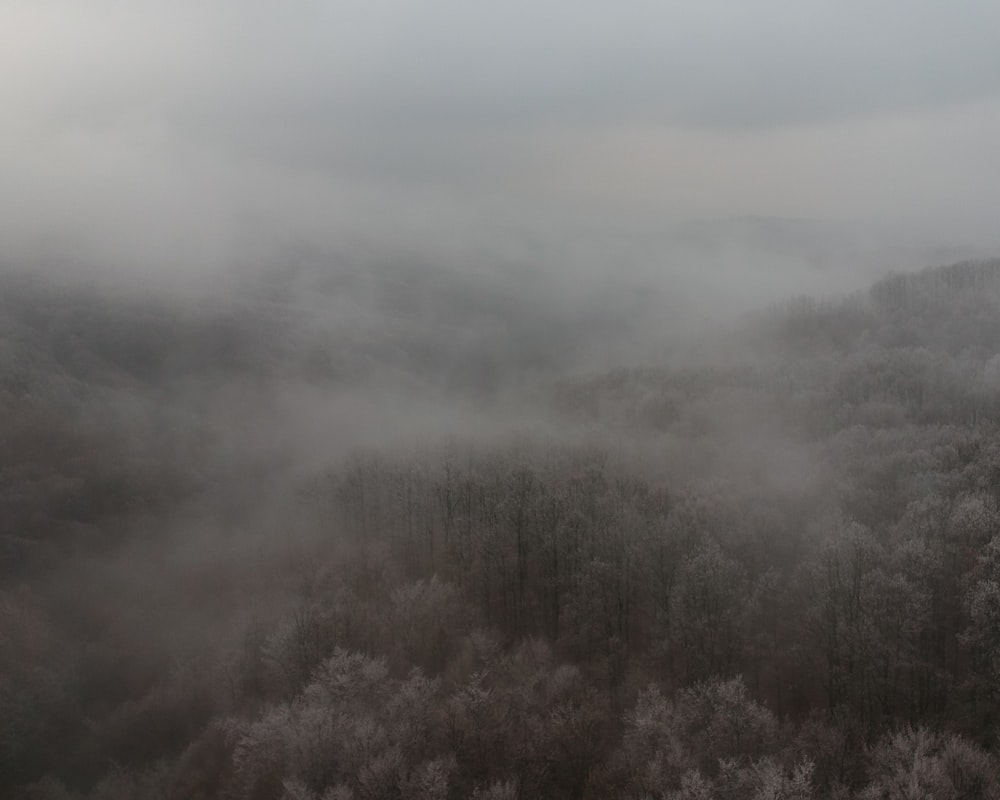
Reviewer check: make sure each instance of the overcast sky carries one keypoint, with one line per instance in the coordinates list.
(169, 130)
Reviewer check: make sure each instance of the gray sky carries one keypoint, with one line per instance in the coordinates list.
(167, 131)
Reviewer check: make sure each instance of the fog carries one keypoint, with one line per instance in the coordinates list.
(446, 401)
(171, 137)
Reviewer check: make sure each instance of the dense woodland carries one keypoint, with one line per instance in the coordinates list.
(765, 565)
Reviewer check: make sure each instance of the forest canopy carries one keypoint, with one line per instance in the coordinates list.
(390, 533)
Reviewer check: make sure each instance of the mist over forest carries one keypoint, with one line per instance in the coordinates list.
(350, 526)
(499, 403)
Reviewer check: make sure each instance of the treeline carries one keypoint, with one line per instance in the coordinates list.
(865, 602)
(915, 349)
